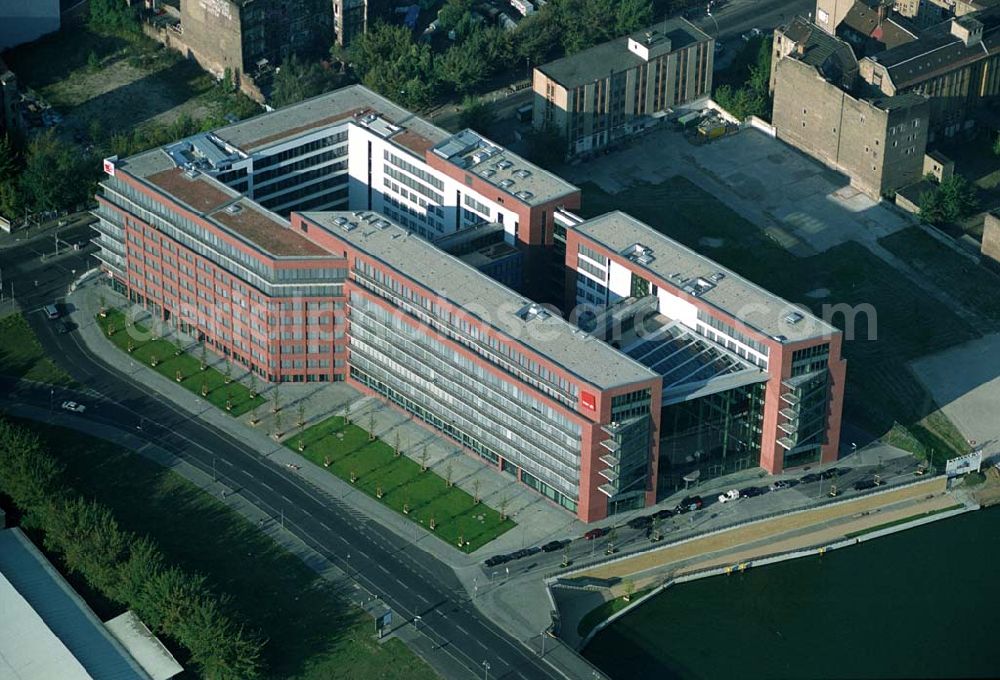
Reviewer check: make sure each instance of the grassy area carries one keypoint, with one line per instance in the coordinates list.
(378, 470)
(311, 631)
(600, 613)
(881, 389)
(904, 520)
(974, 479)
(975, 286)
(209, 384)
(21, 355)
(103, 83)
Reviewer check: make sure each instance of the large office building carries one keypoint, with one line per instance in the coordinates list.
(610, 91)
(347, 239)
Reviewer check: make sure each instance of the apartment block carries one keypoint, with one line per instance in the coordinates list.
(613, 90)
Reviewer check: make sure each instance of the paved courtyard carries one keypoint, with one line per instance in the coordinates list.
(802, 204)
(965, 381)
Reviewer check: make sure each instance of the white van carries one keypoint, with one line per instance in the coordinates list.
(51, 311)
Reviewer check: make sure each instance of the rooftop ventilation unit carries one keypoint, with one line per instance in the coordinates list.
(506, 183)
(639, 253)
(504, 164)
(794, 317)
(531, 311)
(347, 225)
(698, 287)
(191, 172)
(717, 276)
(234, 209)
(341, 221)
(380, 224)
(488, 172)
(526, 195)
(523, 174)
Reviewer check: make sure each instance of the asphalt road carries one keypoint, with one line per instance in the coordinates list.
(409, 580)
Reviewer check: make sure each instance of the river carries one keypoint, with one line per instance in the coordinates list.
(921, 603)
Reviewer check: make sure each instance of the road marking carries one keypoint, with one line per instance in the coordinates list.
(266, 486)
(226, 462)
(246, 472)
(323, 524)
(286, 499)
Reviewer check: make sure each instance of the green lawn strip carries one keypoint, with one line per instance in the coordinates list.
(601, 612)
(21, 354)
(904, 520)
(973, 285)
(881, 388)
(311, 632)
(145, 348)
(375, 466)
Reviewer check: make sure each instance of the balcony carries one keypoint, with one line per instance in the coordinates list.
(609, 460)
(790, 428)
(611, 445)
(789, 413)
(788, 443)
(608, 474)
(608, 490)
(790, 398)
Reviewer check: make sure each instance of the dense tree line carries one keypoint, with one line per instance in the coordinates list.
(114, 16)
(127, 569)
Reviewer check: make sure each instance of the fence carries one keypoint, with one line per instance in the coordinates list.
(551, 576)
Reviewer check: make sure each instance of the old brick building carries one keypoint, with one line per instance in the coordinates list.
(878, 141)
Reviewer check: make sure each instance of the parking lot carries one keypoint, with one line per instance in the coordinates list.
(801, 204)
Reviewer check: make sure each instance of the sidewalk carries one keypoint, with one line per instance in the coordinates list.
(537, 519)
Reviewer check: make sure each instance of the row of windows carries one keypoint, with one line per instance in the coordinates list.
(403, 178)
(260, 178)
(330, 140)
(414, 170)
(297, 179)
(500, 353)
(593, 255)
(730, 331)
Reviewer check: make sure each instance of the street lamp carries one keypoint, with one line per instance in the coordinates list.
(486, 670)
(708, 13)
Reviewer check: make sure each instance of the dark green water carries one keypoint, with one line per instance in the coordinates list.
(921, 603)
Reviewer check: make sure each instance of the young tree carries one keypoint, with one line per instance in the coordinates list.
(371, 426)
(476, 114)
(447, 474)
(952, 200)
(629, 589)
(56, 175)
(387, 60)
(476, 484)
(633, 15)
(423, 458)
(301, 413)
(296, 80)
(504, 501)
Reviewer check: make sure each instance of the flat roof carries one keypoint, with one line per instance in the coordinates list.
(501, 168)
(195, 189)
(47, 630)
(266, 230)
(682, 267)
(598, 61)
(589, 359)
(348, 102)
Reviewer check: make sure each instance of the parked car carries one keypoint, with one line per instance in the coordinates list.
(65, 327)
(51, 311)
(864, 485)
(74, 407)
(810, 478)
(552, 546)
(689, 504)
(731, 495)
(640, 522)
(751, 34)
(833, 473)
(752, 491)
(596, 532)
(779, 485)
(665, 513)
